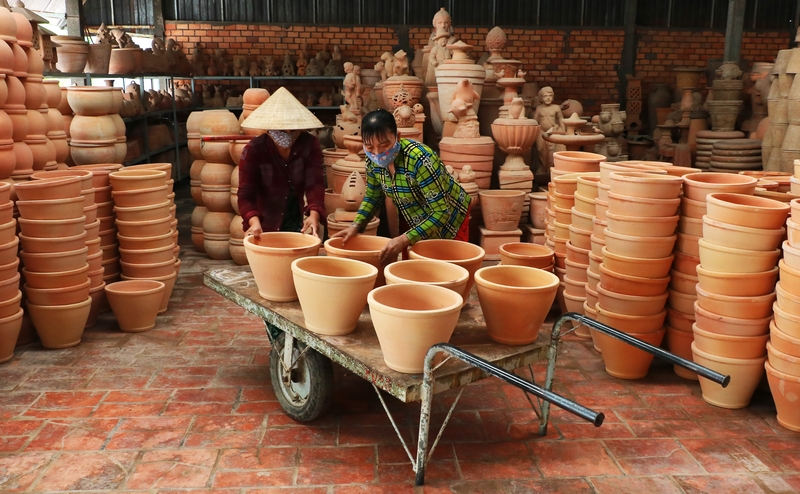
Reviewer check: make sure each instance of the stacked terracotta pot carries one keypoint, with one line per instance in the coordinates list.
(10, 295)
(56, 131)
(252, 99)
(13, 63)
(193, 144)
(583, 215)
(734, 155)
(683, 286)
(783, 349)
(94, 131)
(67, 115)
(705, 145)
(215, 179)
(147, 230)
(632, 293)
(736, 292)
(54, 253)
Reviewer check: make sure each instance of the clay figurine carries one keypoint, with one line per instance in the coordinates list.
(288, 67)
(333, 69)
(550, 119)
(302, 63)
(122, 39)
(517, 109)
(352, 87)
(439, 53)
(442, 24)
(326, 99)
(462, 111)
(254, 71)
(400, 66)
(268, 65)
(240, 66)
(388, 61)
(104, 36)
(314, 67)
(380, 68)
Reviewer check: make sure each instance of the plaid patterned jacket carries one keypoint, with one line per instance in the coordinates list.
(432, 203)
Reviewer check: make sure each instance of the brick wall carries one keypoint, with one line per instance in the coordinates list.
(580, 64)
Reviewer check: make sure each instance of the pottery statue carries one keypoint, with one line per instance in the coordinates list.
(515, 135)
(550, 119)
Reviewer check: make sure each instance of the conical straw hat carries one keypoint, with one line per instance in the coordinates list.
(281, 111)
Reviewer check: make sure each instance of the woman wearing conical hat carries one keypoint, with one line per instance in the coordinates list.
(281, 184)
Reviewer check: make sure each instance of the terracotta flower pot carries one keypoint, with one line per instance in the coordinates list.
(582, 220)
(631, 324)
(361, 248)
(642, 226)
(693, 209)
(34, 245)
(577, 161)
(92, 128)
(732, 260)
(8, 251)
(137, 179)
(745, 376)
(54, 188)
(51, 209)
(9, 331)
(60, 326)
(784, 342)
(606, 169)
(575, 271)
(737, 284)
(630, 304)
(682, 282)
(51, 262)
(140, 243)
(9, 287)
(10, 306)
(786, 301)
(747, 211)
(690, 226)
(526, 254)
(147, 256)
(697, 186)
(785, 390)
(9, 269)
(64, 295)
(143, 213)
(624, 361)
(515, 300)
(147, 228)
(409, 319)
(638, 206)
(48, 280)
(639, 247)
(645, 185)
(634, 266)
(150, 270)
(90, 100)
(427, 272)
(790, 278)
(135, 303)
(169, 282)
(270, 257)
(332, 292)
(721, 233)
(501, 209)
(464, 254)
(787, 322)
(783, 362)
(140, 197)
(679, 320)
(632, 285)
(723, 345)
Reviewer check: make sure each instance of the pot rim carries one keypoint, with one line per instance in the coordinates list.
(479, 256)
(119, 289)
(757, 204)
(51, 202)
(727, 337)
(552, 283)
(343, 250)
(643, 219)
(299, 270)
(785, 314)
(310, 242)
(463, 274)
(728, 360)
(515, 255)
(733, 298)
(630, 298)
(437, 292)
(78, 287)
(644, 200)
(623, 317)
(636, 279)
(639, 239)
(58, 308)
(781, 375)
(723, 275)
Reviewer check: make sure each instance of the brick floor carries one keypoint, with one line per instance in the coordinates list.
(188, 407)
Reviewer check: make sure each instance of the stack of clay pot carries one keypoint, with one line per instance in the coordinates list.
(735, 155)
(10, 295)
(736, 292)
(783, 349)
(252, 99)
(67, 115)
(215, 179)
(639, 239)
(56, 131)
(147, 230)
(14, 64)
(193, 144)
(778, 110)
(583, 216)
(54, 253)
(94, 131)
(706, 139)
(237, 226)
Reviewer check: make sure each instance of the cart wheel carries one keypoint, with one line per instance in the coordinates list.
(305, 392)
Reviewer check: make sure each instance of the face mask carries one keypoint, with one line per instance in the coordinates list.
(385, 158)
(281, 138)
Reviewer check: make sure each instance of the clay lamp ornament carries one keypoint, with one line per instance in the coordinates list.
(572, 138)
(352, 194)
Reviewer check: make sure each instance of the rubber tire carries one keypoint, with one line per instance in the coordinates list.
(320, 371)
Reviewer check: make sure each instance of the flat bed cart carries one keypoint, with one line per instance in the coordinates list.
(302, 375)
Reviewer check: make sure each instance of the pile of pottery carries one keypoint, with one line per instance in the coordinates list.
(13, 65)
(736, 292)
(56, 131)
(683, 286)
(705, 145)
(783, 349)
(147, 230)
(193, 144)
(584, 215)
(95, 135)
(10, 295)
(639, 239)
(54, 253)
(734, 155)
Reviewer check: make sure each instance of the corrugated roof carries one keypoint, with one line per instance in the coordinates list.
(49, 6)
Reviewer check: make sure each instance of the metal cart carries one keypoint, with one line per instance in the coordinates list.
(301, 368)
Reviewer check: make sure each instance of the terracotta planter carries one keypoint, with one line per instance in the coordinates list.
(464, 254)
(646, 268)
(632, 285)
(692, 209)
(135, 303)
(147, 256)
(787, 322)
(91, 100)
(515, 300)
(140, 243)
(566, 185)
(577, 161)
(526, 254)
(722, 233)
(786, 301)
(606, 169)
(150, 270)
(630, 304)
(143, 213)
(92, 128)
(409, 319)
(575, 271)
(216, 152)
(8, 252)
(361, 248)
(722, 345)
(679, 320)
(9, 287)
(427, 272)
(332, 292)
(582, 220)
(637, 206)
(624, 361)
(501, 209)
(270, 257)
(10, 306)
(790, 278)
(785, 390)
(86, 177)
(745, 376)
(136, 179)
(682, 282)
(680, 344)
(642, 226)
(148, 228)
(645, 185)
(9, 331)
(697, 186)
(52, 244)
(727, 259)
(217, 122)
(747, 211)
(639, 247)
(140, 197)
(169, 284)
(54, 261)
(10, 269)
(686, 263)
(784, 342)
(51, 209)
(48, 189)
(60, 326)
(631, 324)
(64, 295)
(791, 255)
(783, 362)
(737, 284)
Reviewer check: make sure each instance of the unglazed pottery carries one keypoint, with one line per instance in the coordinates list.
(697, 186)
(135, 303)
(624, 361)
(633, 305)
(427, 272)
(54, 261)
(642, 184)
(646, 268)
(52, 209)
(63, 295)
(9, 331)
(643, 226)
(53, 188)
(501, 209)
(365, 248)
(786, 394)
(728, 259)
(638, 206)
(270, 257)
(747, 211)
(639, 247)
(631, 324)
(632, 285)
(723, 233)
(464, 254)
(723, 345)
(745, 376)
(332, 292)
(577, 161)
(409, 319)
(737, 284)
(60, 326)
(526, 254)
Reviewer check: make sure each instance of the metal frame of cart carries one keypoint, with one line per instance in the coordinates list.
(303, 359)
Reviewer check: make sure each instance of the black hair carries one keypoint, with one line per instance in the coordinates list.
(376, 124)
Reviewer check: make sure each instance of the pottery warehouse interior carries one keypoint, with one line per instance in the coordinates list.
(321, 246)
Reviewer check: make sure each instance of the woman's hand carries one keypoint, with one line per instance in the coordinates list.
(312, 222)
(391, 250)
(346, 234)
(255, 228)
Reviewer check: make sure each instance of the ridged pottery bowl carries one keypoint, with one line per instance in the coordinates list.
(270, 257)
(134, 179)
(427, 272)
(732, 260)
(639, 247)
(737, 284)
(577, 161)
(640, 206)
(60, 326)
(135, 303)
(501, 209)
(659, 226)
(633, 305)
(515, 301)
(364, 248)
(34, 245)
(723, 345)
(9, 332)
(409, 319)
(756, 307)
(624, 361)
(785, 390)
(632, 285)
(747, 211)
(332, 292)
(631, 324)
(50, 262)
(745, 376)
(646, 185)
(143, 213)
(151, 270)
(51, 188)
(697, 186)
(464, 254)
(721, 233)
(52, 209)
(526, 254)
(637, 266)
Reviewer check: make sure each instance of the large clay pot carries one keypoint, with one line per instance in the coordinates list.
(123, 60)
(501, 209)
(169, 282)
(92, 128)
(270, 257)
(362, 248)
(98, 59)
(624, 361)
(54, 244)
(146, 228)
(91, 100)
(53, 188)
(71, 57)
(427, 272)
(148, 271)
(409, 319)
(9, 331)
(464, 254)
(218, 122)
(745, 376)
(631, 324)
(526, 254)
(748, 211)
(60, 326)
(56, 279)
(515, 300)
(52, 209)
(785, 391)
(135, 303)
(697, 186)
(332, 292)
(639, 206)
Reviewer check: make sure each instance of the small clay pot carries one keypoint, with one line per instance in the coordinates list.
(630, 304)
(632, 285)
(464, 254)
(645, 185)
(622, 360)
(47, 280)
(692, 208)
(645, 268)
(147, 256)
(427, 272)
(143, 213)
(9, 332)
(747, 211)
(787, 322)
(639, 247)
(638, 206)
(141, 243)
(270, 257)
(136, 179)
(631, 324)
(64, 295)
(140, 197)
(52, 209)
(582, 221)
(682, 282)
(135, 303)
(641, 225)
(737, 284)
(723, 345)
(577, 161)
(745, 376)
(34, 245)
(740, 307)
(8, 251)
(148, 228)
(51, 262)
(785, 387)
(697, 186)
(150, 270)
(732, 260)
(169, 282)
(501, 209)
(53, 188)
(60, 326)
